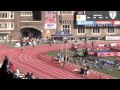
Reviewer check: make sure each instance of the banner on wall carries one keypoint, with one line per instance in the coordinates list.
(112, 38)
(86, 23)
(81, 17)
(116, 22)
(108, 54)
(50, 20)
(104, 22)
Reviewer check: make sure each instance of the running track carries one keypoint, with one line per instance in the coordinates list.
(34, 60)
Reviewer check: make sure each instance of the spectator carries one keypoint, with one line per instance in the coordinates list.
(28, 75)
(86, 70)
(37, 77)
(4, 65)
(74, 58)
(68, 57)
(62, 59)
(92, 44)
(58, 56)
(17, 72)
(31, 76)
(50, 42)
(11, 67)
(38, 40)
(82, 70)
(33, 44)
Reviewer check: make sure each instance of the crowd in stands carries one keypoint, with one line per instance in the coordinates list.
(9, 71)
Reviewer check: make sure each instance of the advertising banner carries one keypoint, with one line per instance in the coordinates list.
(108, 54)
(81, 17)
(104, 22)
(116, 22)
(112, 38)
(86, 23)
(50, 20)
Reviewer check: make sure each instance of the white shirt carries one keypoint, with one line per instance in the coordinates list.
(17, 72)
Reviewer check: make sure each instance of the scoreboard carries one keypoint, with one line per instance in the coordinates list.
(98, 18)
(102, 15)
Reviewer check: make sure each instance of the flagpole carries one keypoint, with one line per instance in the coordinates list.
(66, 48)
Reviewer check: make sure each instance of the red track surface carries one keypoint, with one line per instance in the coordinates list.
(34, 60)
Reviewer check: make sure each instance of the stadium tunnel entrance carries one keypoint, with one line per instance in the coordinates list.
(30, 32)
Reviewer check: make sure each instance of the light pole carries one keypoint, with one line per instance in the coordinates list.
(85, 41)
(10, 39)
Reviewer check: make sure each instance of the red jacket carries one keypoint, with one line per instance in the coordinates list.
(11, 67)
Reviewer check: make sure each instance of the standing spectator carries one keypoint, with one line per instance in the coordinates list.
(62, 59)
(58, 56)
(85, 52)
(75, 58)
(11, 67)
(38, 40)
(33, 43)
(4, 65)
(50, 42)
(68, 57)
(80, 54)
(3, 70)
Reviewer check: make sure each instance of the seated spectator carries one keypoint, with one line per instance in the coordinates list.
(85, 70)
(17, 73)
(31, 76)
(82, 70)
(37, 77)
(88, 72)
(28, 75)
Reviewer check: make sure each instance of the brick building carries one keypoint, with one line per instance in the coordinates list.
(15, 24)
